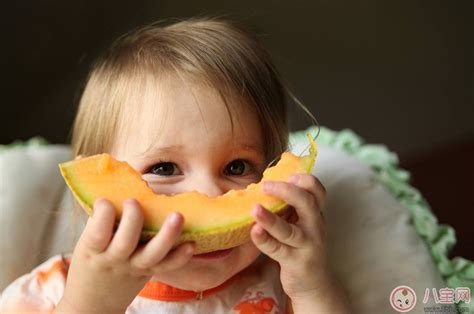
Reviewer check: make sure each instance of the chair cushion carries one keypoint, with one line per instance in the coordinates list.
(376, 240)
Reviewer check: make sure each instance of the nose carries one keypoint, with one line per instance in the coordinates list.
(208, 185)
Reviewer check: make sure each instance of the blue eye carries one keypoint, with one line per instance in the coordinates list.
(165, 169)
(237, 167)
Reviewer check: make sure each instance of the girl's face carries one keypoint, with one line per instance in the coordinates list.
(196, 150)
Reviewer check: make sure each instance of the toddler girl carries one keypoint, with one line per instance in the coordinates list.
(194, 105)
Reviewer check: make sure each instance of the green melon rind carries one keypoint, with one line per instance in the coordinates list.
(219, 238)
(86, 200)
(208, 239)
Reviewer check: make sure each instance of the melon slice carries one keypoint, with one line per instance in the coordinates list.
(212, 223)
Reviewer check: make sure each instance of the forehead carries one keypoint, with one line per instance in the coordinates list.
(172, 111)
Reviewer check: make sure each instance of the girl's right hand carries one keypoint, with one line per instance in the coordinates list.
(109, 270)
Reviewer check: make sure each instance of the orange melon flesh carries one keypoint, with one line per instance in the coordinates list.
(212, 223)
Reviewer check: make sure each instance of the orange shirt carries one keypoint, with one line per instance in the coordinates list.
(256, 289)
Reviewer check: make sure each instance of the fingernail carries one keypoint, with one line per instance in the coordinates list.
(174, 219)
(268, 186)
(100, 201)
(259, 231)
(99, 205)
(257, 211)
(263, 214)
(294, 179)
(130, 202)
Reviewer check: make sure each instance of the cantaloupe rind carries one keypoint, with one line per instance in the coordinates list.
(212, 223)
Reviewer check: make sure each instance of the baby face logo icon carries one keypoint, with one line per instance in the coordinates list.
(403, 299)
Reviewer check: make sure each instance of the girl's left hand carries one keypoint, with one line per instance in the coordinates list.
(298, 247)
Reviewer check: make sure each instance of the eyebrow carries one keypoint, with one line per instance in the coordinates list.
(160, 150)
(250, 147)
(177, 148)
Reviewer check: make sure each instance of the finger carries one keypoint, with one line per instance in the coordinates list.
(289, 215)
(293, 216)
(98, 231)
(175, 259)
(268, 245)
(304, 203)
(157, 248)
(278, 228)
(311, 184)
(127, 236)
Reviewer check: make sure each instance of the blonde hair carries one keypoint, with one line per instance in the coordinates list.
(215, 51)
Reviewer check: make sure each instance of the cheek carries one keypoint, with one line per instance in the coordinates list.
(249, 252)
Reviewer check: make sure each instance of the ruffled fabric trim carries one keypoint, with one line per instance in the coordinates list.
(32, 142)
(440, 239)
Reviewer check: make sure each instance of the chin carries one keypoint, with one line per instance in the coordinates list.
(200, 275)
(197, 278)
(205, 282)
